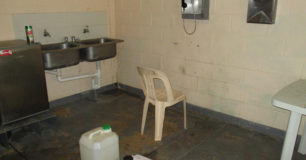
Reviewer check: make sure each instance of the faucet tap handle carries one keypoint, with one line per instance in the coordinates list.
(66, 39)
(86, 29)
(46, 33)
(73, 39)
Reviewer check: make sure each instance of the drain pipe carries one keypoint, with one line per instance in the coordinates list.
(96, 77)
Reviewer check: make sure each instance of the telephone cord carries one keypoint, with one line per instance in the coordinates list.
(195, 22)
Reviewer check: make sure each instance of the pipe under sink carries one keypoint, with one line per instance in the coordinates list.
(65, 54)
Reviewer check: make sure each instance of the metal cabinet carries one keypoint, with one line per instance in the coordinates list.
(23, 91)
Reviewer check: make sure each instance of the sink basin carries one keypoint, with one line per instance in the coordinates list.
(59, 55)
(96, 41)
(56, 46)
(98, 49)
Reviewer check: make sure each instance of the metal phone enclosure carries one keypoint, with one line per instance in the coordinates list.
(196, 9)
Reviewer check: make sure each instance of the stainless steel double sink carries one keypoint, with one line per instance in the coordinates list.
(59, 55)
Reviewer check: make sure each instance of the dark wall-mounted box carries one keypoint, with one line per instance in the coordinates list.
(262, 11)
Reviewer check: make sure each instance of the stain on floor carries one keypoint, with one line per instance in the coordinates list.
(205, 138)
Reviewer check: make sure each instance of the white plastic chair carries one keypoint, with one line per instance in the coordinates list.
(160, 97)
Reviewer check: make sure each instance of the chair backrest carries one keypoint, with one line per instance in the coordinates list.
(148, 75)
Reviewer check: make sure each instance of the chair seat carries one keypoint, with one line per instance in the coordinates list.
(161, 94)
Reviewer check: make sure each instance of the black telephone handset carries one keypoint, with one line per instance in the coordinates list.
(184, 4)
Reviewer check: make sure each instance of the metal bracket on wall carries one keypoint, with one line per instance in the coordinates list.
(262, 11)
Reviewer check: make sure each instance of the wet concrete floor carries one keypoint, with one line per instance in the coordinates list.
(205, 138)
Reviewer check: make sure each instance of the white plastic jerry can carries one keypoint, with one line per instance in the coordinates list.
(99, 144)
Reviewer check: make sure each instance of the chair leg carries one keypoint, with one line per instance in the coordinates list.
(185, 117)
(159, 120)
(144, 115)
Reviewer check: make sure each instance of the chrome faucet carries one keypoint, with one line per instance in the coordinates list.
(66, 39)
(86, 29)
(74, 40)
(46, 33)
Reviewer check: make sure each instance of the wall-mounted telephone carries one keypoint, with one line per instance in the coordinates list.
(184, 4)
(195, 9)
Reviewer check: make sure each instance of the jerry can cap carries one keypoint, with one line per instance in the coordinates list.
(106, 127)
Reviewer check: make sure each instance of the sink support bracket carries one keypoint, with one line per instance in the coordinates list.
(96, 77)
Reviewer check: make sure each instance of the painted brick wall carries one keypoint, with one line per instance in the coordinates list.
(228, 65)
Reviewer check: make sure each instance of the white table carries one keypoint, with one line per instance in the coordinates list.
(293, 98)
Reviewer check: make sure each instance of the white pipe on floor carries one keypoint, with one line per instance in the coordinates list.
(96, 77)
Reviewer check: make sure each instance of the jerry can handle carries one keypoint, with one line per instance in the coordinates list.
(94, 133)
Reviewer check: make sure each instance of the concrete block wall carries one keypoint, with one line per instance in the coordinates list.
(228, 65)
